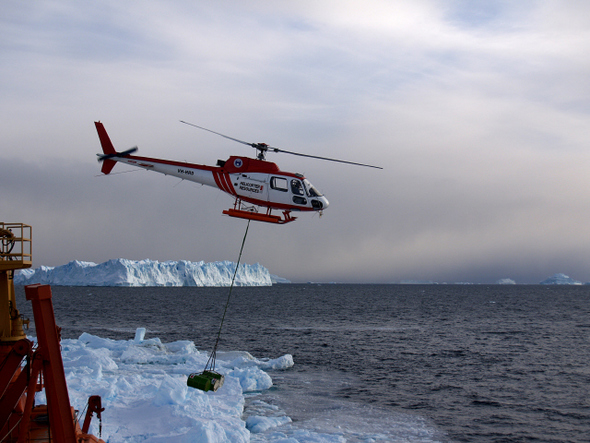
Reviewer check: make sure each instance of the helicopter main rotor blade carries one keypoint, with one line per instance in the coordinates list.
(254, 145)
(270, 148)
(263, 147)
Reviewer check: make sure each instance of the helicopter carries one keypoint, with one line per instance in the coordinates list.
(258, 186)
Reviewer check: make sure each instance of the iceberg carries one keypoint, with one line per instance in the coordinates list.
(123, 272)
(418, 282)
(560, 279)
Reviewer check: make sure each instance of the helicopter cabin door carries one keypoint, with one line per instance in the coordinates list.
(279, 190)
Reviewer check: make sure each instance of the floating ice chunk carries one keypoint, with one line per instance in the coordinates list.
(258, 423)
(172, 391)
(139, 335)
(152, 403)
(284, 362)
(93, 341)
(182, 346)
(241, 361)
(94, 359)
(305, 436)
(212, 432)
(137, 355)
(232, 355)
(252, 378)
(143, 388)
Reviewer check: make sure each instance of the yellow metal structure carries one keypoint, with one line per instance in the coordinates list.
(15, 253)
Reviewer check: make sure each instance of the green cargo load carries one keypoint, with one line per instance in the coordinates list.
(205, 381)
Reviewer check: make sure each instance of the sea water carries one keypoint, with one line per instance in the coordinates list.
(459, 363)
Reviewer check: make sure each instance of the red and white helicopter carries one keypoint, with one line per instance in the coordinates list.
(250, 180)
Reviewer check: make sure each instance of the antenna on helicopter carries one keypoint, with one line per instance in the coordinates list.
(262, 148)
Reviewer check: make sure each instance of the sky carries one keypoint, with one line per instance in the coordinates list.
(478, 112)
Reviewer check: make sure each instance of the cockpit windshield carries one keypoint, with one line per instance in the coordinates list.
(310, 190)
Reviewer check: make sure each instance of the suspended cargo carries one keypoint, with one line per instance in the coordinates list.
(205, 381)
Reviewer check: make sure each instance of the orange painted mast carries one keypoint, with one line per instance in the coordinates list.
(22, 366)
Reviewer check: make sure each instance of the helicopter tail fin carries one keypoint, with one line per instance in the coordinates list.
(107, 148)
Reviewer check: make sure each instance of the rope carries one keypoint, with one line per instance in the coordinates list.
(211, 362)
(79, 416)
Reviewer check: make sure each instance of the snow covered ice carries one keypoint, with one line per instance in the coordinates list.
(142, 383)
(143, 388)
(123, 272)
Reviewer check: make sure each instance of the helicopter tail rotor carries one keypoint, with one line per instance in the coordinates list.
(102, 157)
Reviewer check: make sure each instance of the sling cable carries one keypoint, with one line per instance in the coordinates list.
(209, 380)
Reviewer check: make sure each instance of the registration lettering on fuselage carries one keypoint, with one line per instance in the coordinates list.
(186, 171)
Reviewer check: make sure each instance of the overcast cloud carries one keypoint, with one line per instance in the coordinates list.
(477, 111)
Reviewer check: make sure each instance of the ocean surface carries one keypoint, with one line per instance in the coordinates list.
(460, 363)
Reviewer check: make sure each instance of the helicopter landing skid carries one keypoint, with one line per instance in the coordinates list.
(268, 218)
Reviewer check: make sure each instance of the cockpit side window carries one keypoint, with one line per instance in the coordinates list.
(311, 191)
(296, 187)
(279, 183)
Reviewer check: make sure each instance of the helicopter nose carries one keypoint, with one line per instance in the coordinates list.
(319, 203)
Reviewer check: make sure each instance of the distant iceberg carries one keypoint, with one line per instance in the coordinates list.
(560, 279)
(505, 281)
(417, 282)
(123, 272)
